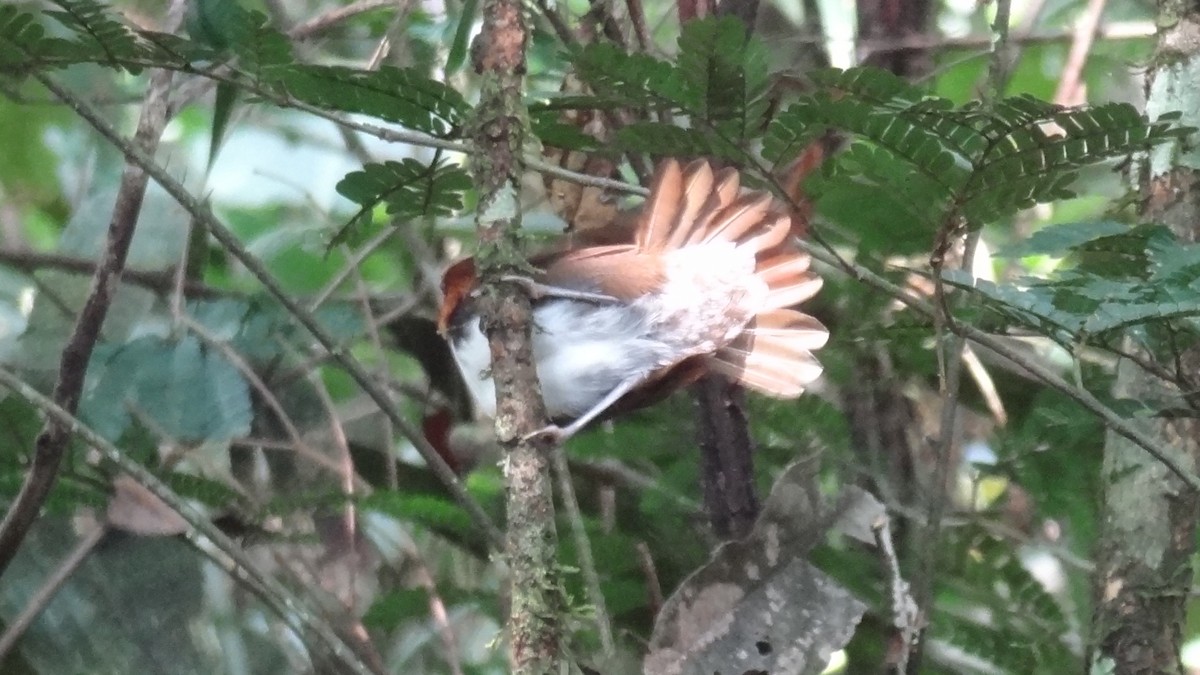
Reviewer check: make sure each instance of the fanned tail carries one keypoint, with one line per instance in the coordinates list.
(695, 205)
(774, 355)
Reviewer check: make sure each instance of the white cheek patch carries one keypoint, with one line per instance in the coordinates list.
(474, 360)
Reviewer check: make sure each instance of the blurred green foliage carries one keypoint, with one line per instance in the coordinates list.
(1074, 274)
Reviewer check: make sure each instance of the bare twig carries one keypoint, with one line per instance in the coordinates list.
(291, 608)
(654, 592)
(33, 608)
(1129, 30)
(437, 606)
(323, 22)
(297, 443)
(1069, 90)
(231, 243)
(159, 282)
(353, 260)
(905, 612)
(52, 441)
(1019, 360)
(985, 384)
(347, 529)
(587, 564)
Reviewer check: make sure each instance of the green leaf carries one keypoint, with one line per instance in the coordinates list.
(872, 85)
(399, 95)
(433, 512)
(408, 188)
(1024, 164)
(223, 105)
(1060, 239)
(211, 493)
(920, 144)
(97, 30)
(878, 197)
(1033, 307)
(260, 49)
(181, 388)
(390, 611)
(20, 37)
(462, 37)
(670, 139)
(725, 74)
(556, 134)
(636, 80)
(215, 22)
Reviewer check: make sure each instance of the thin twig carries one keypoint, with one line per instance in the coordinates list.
(654, 592)
(583, 546)
(1118, 30)
(348, 523)
(1069, 90)
(985, 384)
(297, 443)
(437, 606)
(323, 22)
(1019, 360)
(353, 260)
(51, 443)
(208, 538)
(50, 588)
(637, 17)
(157, 281)
(227, 239)
(905, 612)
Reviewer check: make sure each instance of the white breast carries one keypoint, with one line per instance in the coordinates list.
(582, 352)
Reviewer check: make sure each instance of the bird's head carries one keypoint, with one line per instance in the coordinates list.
(458, 283)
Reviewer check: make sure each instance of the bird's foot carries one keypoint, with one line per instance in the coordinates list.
(550, 435)
(538, 290)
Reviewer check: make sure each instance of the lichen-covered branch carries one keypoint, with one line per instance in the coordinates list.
(537, 603)
(1145, 556)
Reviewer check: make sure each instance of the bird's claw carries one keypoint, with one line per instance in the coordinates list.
(538, 290)
(550, 435)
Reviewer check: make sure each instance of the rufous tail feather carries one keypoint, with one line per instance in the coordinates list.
(694, 205)
(775, 354)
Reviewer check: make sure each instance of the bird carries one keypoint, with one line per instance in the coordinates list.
(707, 285)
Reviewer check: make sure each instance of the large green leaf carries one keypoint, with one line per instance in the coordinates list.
(181, 388)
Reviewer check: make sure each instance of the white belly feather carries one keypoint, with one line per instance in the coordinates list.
(584, 350)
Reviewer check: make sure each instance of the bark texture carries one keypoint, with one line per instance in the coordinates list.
(1149, 516)
(534, 627)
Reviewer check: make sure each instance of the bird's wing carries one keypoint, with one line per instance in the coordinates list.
(622, 272)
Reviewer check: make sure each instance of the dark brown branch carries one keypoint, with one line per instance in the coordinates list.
(293, 609)
(51, 443)
(158, 281)
(727, 462)
(339, 354)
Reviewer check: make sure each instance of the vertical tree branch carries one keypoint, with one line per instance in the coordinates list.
(498, 55)
(51, 443)
(722, 426)
(1145, 558)
(726, 457)
(950, 358)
